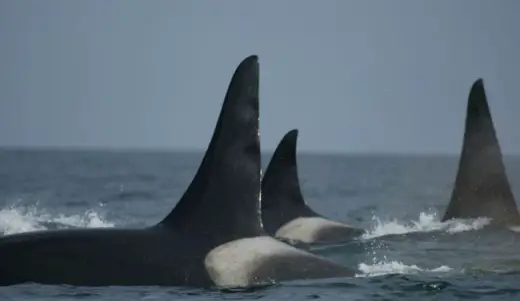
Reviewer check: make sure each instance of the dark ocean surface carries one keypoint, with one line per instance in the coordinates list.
(405, 253)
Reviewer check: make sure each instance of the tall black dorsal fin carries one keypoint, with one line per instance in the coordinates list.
(481, 187)
(223, 199)
(282, 199)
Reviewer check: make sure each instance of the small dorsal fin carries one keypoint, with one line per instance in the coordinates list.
(224, 197)
(481, 187)
(282, 199)
(280, 182)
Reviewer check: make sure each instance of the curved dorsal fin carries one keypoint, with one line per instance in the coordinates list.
(282, 199)
(280, 182)
(481, 186)
(223, 199)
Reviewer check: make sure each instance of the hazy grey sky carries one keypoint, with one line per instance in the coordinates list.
(351, 75)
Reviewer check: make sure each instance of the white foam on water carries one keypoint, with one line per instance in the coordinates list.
(427, 222)
(385, 267)
(20, 219)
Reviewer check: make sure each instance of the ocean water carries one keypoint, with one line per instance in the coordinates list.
(406, 253)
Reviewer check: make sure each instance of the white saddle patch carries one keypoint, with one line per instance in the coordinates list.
(232, 264)
(305, 229)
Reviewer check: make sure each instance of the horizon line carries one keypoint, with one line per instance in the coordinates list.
(202, 150)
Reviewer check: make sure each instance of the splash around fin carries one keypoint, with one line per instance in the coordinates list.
(482, 187)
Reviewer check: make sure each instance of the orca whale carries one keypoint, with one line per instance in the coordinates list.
(213, 237)
(285, 214)
(481, 187)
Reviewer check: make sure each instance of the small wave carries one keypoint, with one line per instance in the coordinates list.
(427, 222)
(395, 267)
(128, 196)
(26, 219)
(514, 228)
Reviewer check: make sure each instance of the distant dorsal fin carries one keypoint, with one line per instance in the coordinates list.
(223, 200)
(280, 182)
(481, 187)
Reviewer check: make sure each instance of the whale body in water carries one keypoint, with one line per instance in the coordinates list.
(284, 211)
(482, 187)
(212, 237)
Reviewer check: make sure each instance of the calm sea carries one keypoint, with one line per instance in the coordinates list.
(406, 253)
